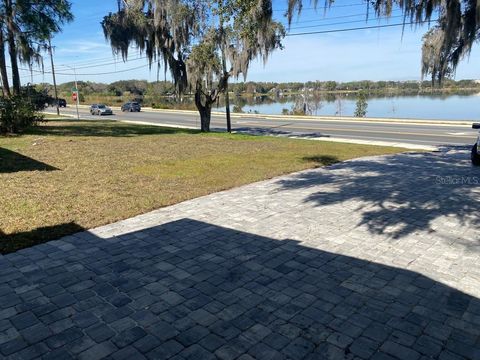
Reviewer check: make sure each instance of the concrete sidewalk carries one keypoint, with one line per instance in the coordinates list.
(375, 258)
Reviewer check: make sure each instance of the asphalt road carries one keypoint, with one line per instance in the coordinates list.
(398, 132)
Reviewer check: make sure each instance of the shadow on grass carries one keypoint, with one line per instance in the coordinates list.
(11, 161)
(322, 160)
(13, 242)
(191, 287)
(101, 128)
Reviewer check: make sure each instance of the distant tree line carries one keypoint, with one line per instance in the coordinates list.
(365, 85)
(139, 89)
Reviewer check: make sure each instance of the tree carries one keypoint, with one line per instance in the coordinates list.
(3, 65)
(434, 57)
(202, 43)
(361, 105)
(18, 112)
(457, 28)
(26, 26)
(330, 85)
(450, 40)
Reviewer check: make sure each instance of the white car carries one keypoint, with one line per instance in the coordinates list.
(100, 109)
(476, 147)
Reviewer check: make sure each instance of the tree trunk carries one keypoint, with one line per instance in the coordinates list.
(3, 68)
(12, 48)
(224, 68)
(205, 110)
(205, 116)
(227, 109)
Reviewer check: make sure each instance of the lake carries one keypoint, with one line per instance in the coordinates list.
(442, 106)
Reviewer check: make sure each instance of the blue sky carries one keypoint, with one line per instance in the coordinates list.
(374, 54)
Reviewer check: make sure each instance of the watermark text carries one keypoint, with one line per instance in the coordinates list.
(457, 180)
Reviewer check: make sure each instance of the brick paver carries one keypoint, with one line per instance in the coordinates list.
(373, 258)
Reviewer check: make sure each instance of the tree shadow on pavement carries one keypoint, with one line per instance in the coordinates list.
(400, 194)
(198, 290)
(19, 240)
(277, 131)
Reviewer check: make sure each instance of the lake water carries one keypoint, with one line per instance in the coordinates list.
(444, 107)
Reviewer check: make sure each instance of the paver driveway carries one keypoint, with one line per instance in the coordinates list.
(374, 258)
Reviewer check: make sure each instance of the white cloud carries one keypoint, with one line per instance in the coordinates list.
(81, 47)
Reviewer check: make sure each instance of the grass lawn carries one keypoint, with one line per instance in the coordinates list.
(65, 175)
(52, 116)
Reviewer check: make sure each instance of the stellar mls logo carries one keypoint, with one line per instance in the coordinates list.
(457, 180)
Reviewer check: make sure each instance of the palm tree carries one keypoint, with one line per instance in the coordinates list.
(3, 64)
(26, 27)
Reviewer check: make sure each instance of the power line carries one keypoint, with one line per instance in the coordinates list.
(94, 60)
(357, 28)
(327, 7)
(346, 22)
(109, 72)
(94, 65)
(91, 61)
(84, 74)
(340, 17)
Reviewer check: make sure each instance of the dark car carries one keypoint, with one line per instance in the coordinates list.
(61, 103)
(476, 147)
(131, 106)
(100, 109)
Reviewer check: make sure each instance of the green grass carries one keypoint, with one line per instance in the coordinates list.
(65, 175)
(49, 116)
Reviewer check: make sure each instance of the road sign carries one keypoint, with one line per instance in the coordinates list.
(74, 96)
(74, 89)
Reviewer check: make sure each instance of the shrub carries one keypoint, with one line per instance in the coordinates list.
(162, 106)
(237, 109)
(19, 112)
(361, 105)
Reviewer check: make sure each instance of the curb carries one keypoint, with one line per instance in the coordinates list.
(157, 124)
(330, 139)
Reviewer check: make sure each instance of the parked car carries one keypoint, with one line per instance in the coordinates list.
(100, 109)
(476, 147)
(131, 106)
(61, 103)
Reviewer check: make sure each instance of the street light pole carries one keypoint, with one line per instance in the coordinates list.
(76, 89)
(53, 74)
(78, 93)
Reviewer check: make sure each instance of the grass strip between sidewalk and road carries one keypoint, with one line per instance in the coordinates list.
(64, 175)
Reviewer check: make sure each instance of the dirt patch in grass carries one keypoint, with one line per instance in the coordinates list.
(64, 176)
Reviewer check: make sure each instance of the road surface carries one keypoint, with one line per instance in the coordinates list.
(447, 133)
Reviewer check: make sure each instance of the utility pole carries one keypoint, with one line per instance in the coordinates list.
(77, 102)
(53, 74)
(224, 65)
(78, 92)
